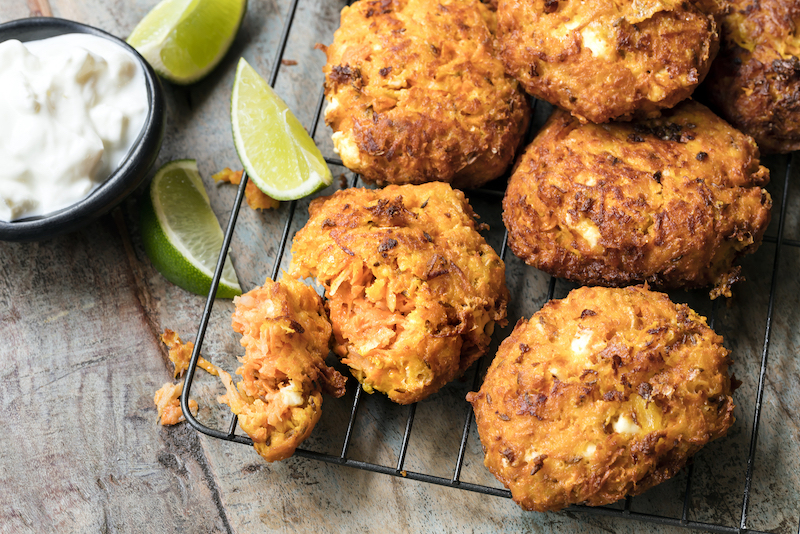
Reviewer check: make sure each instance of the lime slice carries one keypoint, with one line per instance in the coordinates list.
(180, 233)
(184, 39)
(276, 151)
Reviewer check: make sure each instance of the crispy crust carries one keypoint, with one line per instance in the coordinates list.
(286, 333)
(603, 394)
(414, 291)
(671, 201)
(755, 81)
(415, 93)
(603, 60)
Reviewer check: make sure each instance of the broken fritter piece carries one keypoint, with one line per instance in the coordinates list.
(603, 394)
(414, 291)
(256, 199)
(168, 404)
(286, 336)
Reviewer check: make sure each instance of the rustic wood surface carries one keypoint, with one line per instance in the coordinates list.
(80, 359)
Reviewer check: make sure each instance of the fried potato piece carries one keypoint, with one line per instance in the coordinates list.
(603, 60)
(671, 201)
(603, 394)
(168, 404)
(755, 80)
(414, 291)
(415, 93)
(286, 334)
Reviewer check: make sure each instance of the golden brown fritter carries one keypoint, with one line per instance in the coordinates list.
(603, 394)
(414, 291)
(415, 93)
(603, 60)
(285, 333)
(755, 80)
(671, 201)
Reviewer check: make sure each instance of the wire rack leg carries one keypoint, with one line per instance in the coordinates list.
(401, 458)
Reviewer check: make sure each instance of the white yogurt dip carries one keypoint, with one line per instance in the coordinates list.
(71, 108)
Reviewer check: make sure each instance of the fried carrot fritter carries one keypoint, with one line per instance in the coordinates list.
(604, 60)
(416, 94)
(672, 201)
(605, 393)
(755, 81)
(414, 291)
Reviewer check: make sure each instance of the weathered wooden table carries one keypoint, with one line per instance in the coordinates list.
(80, 359)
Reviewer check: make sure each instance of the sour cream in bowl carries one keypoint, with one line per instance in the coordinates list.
(81, 122)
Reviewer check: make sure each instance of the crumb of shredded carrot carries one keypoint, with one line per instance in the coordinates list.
(180, 353)
(228, 175)
(168, 403)
(256, 198)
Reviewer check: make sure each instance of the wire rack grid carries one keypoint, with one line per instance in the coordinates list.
(454, 481)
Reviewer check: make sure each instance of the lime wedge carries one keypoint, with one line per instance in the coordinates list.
(180, 233)
(184, 39)
(276, 151)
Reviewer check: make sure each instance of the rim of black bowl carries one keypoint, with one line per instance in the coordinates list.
(127, 177)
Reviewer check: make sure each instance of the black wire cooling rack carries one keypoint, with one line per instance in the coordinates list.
(455, 481)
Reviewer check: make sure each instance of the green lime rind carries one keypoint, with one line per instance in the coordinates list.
(169, 256)
(273, 147)
(183, 40)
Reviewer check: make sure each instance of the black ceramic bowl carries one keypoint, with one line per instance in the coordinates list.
(126, 178)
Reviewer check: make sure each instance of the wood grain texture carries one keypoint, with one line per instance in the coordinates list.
(80, 360)
(81, 451)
